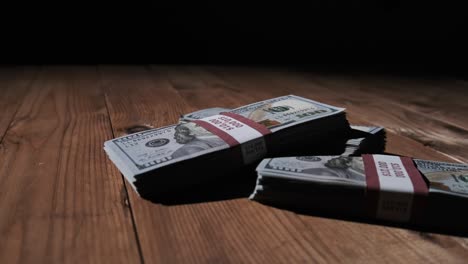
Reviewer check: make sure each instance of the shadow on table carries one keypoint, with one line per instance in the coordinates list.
(458, 228)
(225, 185)
(243, 188)
(239, 184)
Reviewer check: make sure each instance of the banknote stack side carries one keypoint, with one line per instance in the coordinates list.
(365, 140)
(161, 160)
(385, 188)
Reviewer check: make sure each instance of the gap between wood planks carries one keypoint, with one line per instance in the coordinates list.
(126, 202)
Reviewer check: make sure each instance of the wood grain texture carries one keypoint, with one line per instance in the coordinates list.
(428, 103)
(61, 200)
(14, 84)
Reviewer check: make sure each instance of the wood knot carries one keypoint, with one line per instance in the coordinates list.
(136, 129)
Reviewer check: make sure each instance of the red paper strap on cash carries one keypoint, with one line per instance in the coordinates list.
(234, 129)
(395, 188)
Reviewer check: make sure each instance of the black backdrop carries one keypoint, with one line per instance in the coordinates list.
(387, 35)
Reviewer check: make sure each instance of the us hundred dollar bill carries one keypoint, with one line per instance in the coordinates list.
(152, 149)
(203, 113)
(445, 177)
(342, 170)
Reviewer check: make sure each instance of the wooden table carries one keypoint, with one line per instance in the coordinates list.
(63, 201)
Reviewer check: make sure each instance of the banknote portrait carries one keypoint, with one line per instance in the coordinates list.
(194, 139)
(340, 167)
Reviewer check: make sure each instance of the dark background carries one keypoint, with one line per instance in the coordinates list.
(387, 36)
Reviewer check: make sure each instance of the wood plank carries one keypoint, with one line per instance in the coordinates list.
(61, 200)
(438, 102)
(442, 98)
(14, 84)
(414, 246)
(235, 230)
(435, 119)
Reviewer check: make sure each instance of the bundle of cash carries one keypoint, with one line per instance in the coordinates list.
(385, 188)
(161, 160)
(362, 139)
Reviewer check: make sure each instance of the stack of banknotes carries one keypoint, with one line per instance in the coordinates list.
(380, 187)
(361, 139)
(212, 145)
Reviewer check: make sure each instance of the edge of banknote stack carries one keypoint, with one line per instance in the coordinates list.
(365, 140)
(384, 188)
(361, 139)
(172, 158)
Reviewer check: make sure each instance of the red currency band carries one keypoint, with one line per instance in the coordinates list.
(419, 185)
(372, 179)
(218, 132)
(228, 138)
(373, 184)
(420, 188)
(260, 128)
